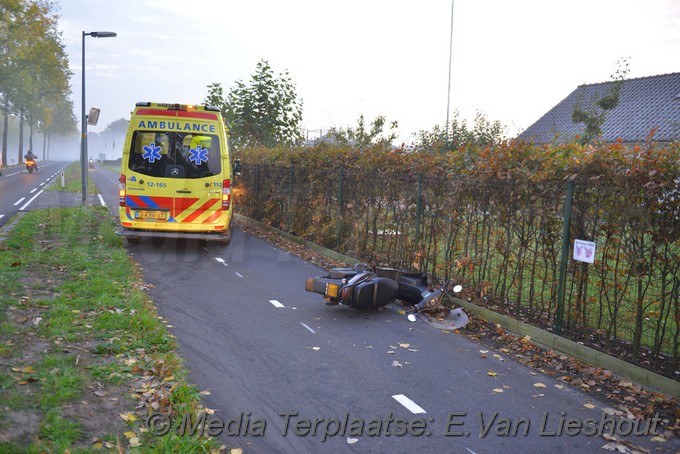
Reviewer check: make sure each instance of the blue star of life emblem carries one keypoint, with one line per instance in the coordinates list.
(151, 152)
(198, 155)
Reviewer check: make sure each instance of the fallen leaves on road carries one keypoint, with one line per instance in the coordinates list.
(622, 446)
(129, 417)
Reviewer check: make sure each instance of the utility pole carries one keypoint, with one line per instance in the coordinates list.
(448, 95)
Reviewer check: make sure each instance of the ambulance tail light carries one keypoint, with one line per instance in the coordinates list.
(121, 190)
(226, 194)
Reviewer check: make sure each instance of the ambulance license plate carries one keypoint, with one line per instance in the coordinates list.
(160, 215)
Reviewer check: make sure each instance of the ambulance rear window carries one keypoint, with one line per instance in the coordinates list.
(175, 154)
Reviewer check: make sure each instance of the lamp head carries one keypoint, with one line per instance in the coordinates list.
(102, 34)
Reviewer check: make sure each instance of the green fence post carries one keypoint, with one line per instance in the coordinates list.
(338, 231)
(564, 258)
(291, 176)
(258, 216)
(419, 206)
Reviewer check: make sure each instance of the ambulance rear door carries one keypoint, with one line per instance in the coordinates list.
(176, 177)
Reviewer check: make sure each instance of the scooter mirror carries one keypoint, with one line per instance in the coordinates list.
(457, 288)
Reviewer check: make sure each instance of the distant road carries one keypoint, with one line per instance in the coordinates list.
(21, 191)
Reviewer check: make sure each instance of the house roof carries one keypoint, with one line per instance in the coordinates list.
(644, 103)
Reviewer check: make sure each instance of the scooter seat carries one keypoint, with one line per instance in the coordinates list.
(374, 293)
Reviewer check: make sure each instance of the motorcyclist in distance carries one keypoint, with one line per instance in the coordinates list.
(31, 157)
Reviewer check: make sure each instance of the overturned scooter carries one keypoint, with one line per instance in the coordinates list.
(364, 287)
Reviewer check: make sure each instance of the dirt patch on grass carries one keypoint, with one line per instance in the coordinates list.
(98, 414)
(20, 427)
(95, 410)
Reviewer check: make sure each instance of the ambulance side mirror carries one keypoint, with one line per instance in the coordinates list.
(237, 168)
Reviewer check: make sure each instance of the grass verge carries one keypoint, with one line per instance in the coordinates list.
(73, 180)
(84, 358)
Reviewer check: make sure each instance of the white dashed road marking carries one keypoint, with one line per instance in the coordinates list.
(29, 202)
(310, 329)
(276, 303)
(408, 403)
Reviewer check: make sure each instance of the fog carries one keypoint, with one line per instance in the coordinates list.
(61, 148)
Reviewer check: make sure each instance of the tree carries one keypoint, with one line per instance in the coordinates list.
(117, 127)
(593, 117)
(266, 111)
(216, 98)
(49, 85)
(484, 132)
(363, 138)
(61, 121)
(10, 11)
(34, 71)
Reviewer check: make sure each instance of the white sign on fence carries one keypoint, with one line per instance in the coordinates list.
(584, 251)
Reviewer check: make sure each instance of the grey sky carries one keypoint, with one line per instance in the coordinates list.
(512, 60)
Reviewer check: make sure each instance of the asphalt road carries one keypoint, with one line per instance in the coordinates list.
(21, 191)
(288, 374)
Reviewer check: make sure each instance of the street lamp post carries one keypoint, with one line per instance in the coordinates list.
(83, 137)
(448, 93)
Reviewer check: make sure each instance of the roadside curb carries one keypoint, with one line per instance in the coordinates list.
(639, 375)
(6, 229)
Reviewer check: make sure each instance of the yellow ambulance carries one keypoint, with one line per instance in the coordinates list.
(175, 178)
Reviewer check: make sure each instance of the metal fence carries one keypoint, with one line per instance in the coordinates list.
(503, 239)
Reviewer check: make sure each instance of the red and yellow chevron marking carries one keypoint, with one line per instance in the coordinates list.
(193, 214)
(184, 210)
